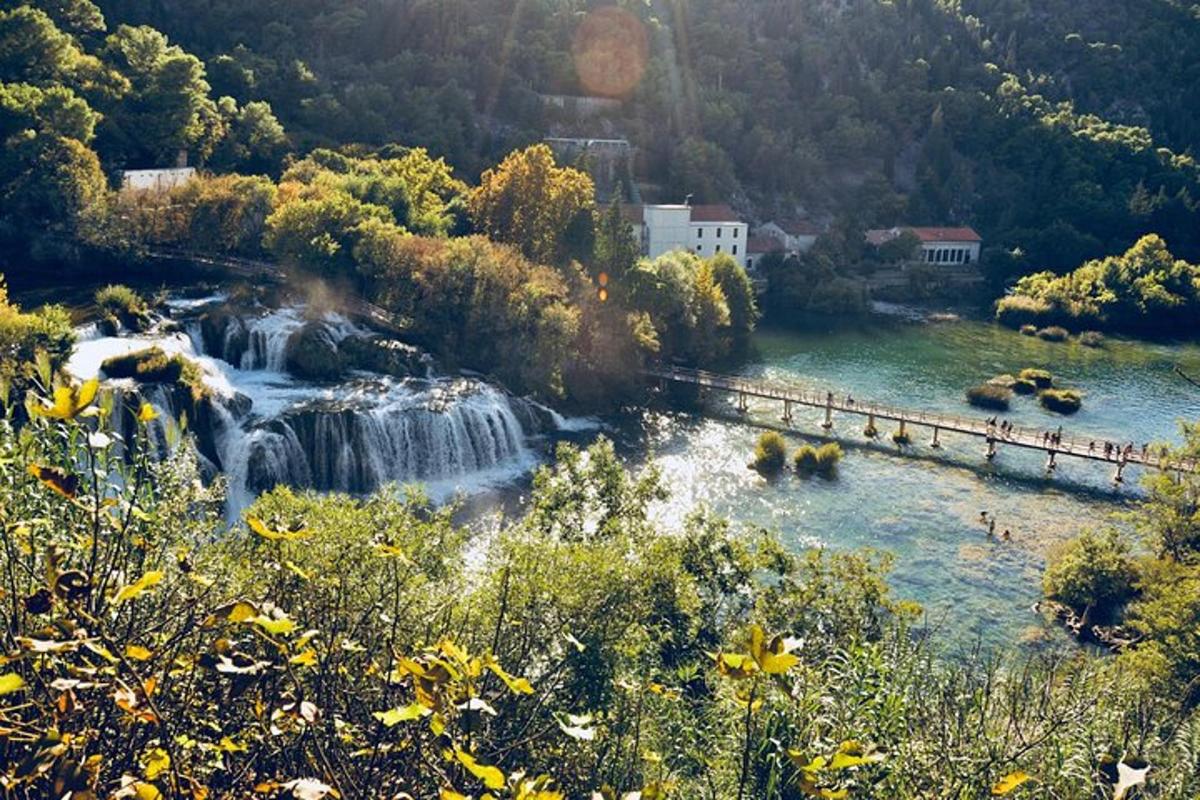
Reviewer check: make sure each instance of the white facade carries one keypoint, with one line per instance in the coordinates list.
(156, 180)
(703, 230)
(949, 252)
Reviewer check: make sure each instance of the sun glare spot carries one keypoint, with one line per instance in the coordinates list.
(610, 51)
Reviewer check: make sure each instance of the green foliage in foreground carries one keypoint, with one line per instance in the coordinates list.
(1146, 289)
(369, 647)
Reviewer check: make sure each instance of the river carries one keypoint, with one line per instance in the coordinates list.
(924, 506)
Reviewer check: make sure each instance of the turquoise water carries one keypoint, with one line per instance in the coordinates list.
(924, 507)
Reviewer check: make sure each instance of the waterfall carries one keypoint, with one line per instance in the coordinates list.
(263, 427)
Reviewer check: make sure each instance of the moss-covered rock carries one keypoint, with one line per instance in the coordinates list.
(312, 353)
(990, 395)
(224, 335)
(1062, 401)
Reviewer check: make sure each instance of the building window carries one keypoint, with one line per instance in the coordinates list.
(699, 247)
(967, 257)
(699, 233)
(718, 233)
(735, 249)
(718, 248)
(735, 233)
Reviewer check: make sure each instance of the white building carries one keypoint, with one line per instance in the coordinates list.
(156, 180)
(795, 237)
(705, 230)
(938, 245)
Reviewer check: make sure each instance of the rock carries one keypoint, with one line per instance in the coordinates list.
(224, 335)
(384, 356)
(312, 353)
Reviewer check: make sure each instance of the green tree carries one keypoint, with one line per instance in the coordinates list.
(616, 249)
(1094, 572)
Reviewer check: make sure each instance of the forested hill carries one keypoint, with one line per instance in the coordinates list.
(1062, 129)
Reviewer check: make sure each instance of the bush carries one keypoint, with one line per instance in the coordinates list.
(1091, 339)
(1040, 378)
(1062, 401)
(989, 395)
(805, 459)
(1024, 386)
(1093, 570)
(123, 304)
(770, 453)
(1004, 380)
(828, 455)
(1054, 333)
(1029, 330)
(1018, 310)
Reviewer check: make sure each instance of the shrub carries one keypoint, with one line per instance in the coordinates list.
(123, 304)
(1054, 333)
(901, 437)
(828, 455)
(1062, 401)
(1091, 339)
(1024, 386)
(805, 459)
(989, 395)
(1004, 380)
(1017, 310)
(1041, 378)
(770, 453)
(1029, 330)
(1092, 570)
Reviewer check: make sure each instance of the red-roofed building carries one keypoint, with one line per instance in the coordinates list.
(938, 245)
(759, 246)
(796, 236)
(705, 230)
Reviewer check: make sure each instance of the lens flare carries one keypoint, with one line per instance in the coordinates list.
(610, 49)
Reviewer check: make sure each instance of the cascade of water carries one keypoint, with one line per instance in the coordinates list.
(265, 427)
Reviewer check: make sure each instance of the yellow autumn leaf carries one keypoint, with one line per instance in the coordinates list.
(137, 652)
(258, 526)
(69, 401)
(491, 777)
(394, 716)
(146, 791)
(59, 480)
(11, 682)
(273, 626)
(295, 570)
(155, 762)
(147, 581)
(450, 794)
(515, 685)
(307, 658)
(1010, 782)
(772, 657)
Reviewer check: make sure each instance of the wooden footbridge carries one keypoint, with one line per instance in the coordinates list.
(1052, 443)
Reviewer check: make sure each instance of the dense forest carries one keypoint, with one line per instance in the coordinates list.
(1058, 130)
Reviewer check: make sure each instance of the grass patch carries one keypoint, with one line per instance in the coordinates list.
(1054, 333)
(1004, 380)
(1017, 310)
(1029, 330)
(1062, 401)
(770, 453)
(989, 395)
(1024, 386)
(1040, 378)
(1091, 339)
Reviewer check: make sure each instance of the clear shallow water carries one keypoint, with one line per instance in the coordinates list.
(924, 507)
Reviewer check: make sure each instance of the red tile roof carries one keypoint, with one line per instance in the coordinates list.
(713, 213)
(763, 244)
(800, 227)
(881, 235)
